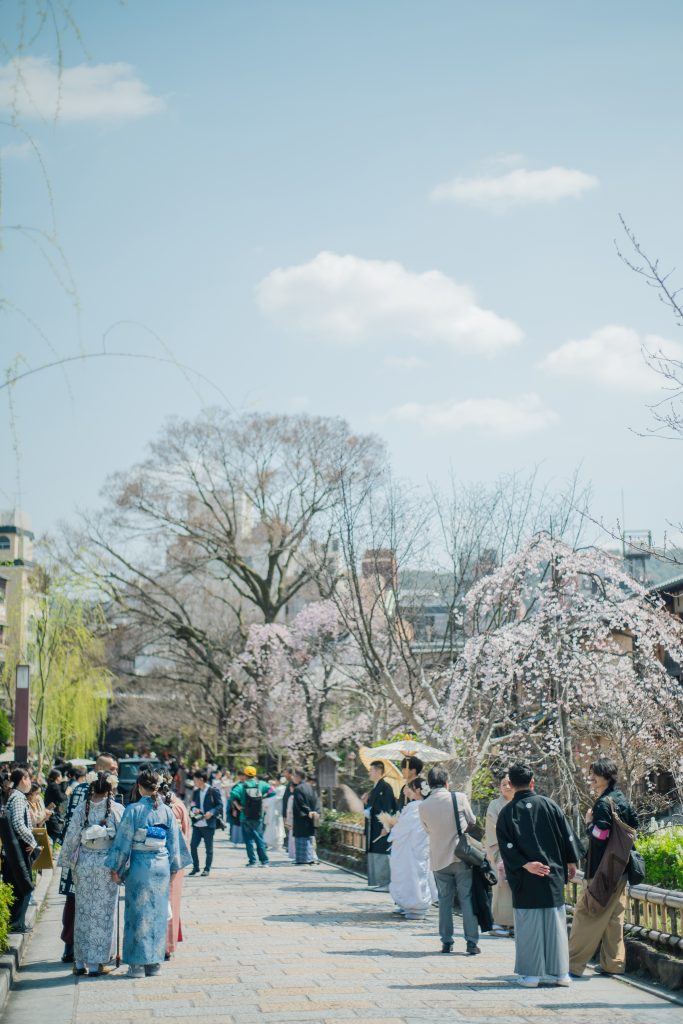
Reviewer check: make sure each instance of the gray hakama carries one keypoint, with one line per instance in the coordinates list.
(541, 945)
(379, 869)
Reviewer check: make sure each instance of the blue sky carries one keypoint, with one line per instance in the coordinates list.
(208, 156)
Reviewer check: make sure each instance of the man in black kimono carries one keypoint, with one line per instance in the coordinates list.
(380, 799)
(539, 856)
(410, 769)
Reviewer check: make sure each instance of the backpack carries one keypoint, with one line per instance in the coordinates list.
(253, 803)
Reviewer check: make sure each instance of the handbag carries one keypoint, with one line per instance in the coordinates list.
(467, 849)
(635, 872)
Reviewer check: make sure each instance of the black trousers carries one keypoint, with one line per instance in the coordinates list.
(199, 834)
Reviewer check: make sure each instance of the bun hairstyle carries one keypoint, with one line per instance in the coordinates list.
(165, 789)
(419, 785)
(150, 780)
(98, 787)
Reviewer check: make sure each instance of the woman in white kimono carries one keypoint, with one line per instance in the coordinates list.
(274, 832)
(412, 885)
(87, 842)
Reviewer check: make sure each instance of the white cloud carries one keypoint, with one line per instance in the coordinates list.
(351, 299)
(518, 186)
(33, 87)
(16, 151)
(502, 417)
(611, 356)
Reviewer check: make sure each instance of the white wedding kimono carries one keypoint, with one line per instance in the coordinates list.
(274, 832)
(412, 884)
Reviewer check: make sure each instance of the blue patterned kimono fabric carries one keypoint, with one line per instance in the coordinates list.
(147, 876)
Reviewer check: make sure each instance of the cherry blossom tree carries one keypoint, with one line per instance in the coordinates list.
(299, 683)
(566, 651)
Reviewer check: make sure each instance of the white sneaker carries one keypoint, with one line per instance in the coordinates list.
(563, 982)
(398, 910)
(136, 971)
(500, 930)
(528, 981)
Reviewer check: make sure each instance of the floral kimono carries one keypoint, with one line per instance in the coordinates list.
(147, 849)
(84, 851)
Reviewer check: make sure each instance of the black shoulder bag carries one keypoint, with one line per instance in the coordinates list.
(466, 849)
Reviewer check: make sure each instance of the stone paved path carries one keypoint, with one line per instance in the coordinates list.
(310, 944)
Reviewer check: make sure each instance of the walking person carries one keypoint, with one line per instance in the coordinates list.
(18, 848)
(503, 919)
(304, 813)
(174, 933)
(606, 927)
(540, 856)
(147, 851)
(412, 886)
(450, 873)
(88, 839)
(248, 796)
(380, 800)
(205, 806)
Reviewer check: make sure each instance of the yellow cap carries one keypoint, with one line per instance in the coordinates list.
(250, 771)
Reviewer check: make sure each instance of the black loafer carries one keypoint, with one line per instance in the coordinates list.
(472, 949)
(446, 947)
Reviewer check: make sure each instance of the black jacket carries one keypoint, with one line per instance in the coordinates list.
(16, 862)
(381, 798)
(212, 802)
(304, 800)
(600, 827)
(532, 827)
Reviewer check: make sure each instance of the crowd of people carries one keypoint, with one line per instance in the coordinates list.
(424, 847)
(145, 846)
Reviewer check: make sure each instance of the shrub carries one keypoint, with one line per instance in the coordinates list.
(6, 901)
(663, 855)
(328, 836)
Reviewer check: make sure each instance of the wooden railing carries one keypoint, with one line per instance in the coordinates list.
(652, 914)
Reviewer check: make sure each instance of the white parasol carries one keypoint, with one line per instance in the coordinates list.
(408, 748)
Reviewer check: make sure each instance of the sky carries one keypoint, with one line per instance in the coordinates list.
(403, 214)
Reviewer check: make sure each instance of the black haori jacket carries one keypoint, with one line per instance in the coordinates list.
(532, 827)
(381, 798)
(16, 862)
(304, 800)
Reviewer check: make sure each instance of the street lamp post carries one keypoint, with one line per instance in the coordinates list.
(21, 713)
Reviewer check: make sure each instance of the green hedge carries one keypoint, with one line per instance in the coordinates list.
(6, 900)
(663, 855)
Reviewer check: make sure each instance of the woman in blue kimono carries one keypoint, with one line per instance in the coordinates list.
(147, 850)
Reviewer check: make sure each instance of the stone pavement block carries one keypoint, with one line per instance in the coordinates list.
(277, 948)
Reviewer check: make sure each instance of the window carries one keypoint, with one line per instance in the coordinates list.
(4, 543)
